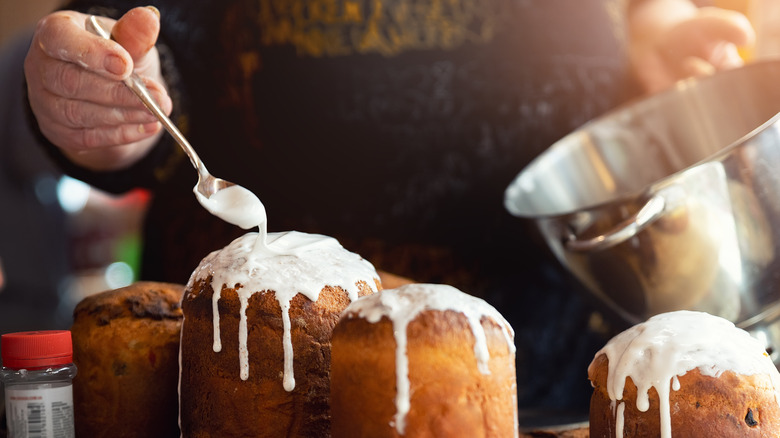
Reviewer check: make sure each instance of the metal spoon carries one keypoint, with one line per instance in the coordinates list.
(226, 206)
(207, 183)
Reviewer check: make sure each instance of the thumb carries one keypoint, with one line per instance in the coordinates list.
(137, 31)
(701, 35)
(728, 25)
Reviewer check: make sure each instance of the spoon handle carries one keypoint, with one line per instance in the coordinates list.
(136, 85)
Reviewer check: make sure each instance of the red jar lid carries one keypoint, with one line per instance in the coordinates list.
(37, 349)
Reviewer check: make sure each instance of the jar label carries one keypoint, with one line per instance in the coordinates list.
(40, 413)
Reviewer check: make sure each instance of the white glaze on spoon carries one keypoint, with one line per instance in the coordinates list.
(404, 304)
(653, 354)
(235, 205)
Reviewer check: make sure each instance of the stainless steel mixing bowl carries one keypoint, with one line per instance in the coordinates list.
(671, 202)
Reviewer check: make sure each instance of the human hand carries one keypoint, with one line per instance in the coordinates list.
(673, 40)
(75, 89)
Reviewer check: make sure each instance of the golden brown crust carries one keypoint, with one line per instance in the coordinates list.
(150, 300)
(450, 396)
(731, 405)
(217, 403)
(125, 345)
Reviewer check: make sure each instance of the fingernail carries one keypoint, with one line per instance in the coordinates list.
(115, 64)
(155, 10)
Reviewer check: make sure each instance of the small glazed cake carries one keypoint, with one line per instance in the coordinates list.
(684, 374)
(423, 360)
(126, 346)
(255, 349)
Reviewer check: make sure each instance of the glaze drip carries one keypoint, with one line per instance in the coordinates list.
(287, 264)
(653, 354)
(404, 304)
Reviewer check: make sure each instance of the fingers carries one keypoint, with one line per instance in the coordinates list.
(713, 35)
(726, 25)
(137, 31)
(82, 140)
(74, 97)
(75, 124)
(61, 36)
(673, 40)
(80, 114)
(725, 55)
(75, 89)
(73, 82)
(696, 67)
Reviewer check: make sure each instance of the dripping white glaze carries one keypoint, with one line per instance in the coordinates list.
(619, 419)
(654, 353)
(235, 205)
(404, 304)
(286, 263)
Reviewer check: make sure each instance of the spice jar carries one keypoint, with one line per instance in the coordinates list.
(37, 375)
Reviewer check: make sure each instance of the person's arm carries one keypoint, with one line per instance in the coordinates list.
(75, 91)
(675, 39)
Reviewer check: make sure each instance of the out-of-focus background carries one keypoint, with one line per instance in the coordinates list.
(60, 240)
(16, 15)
